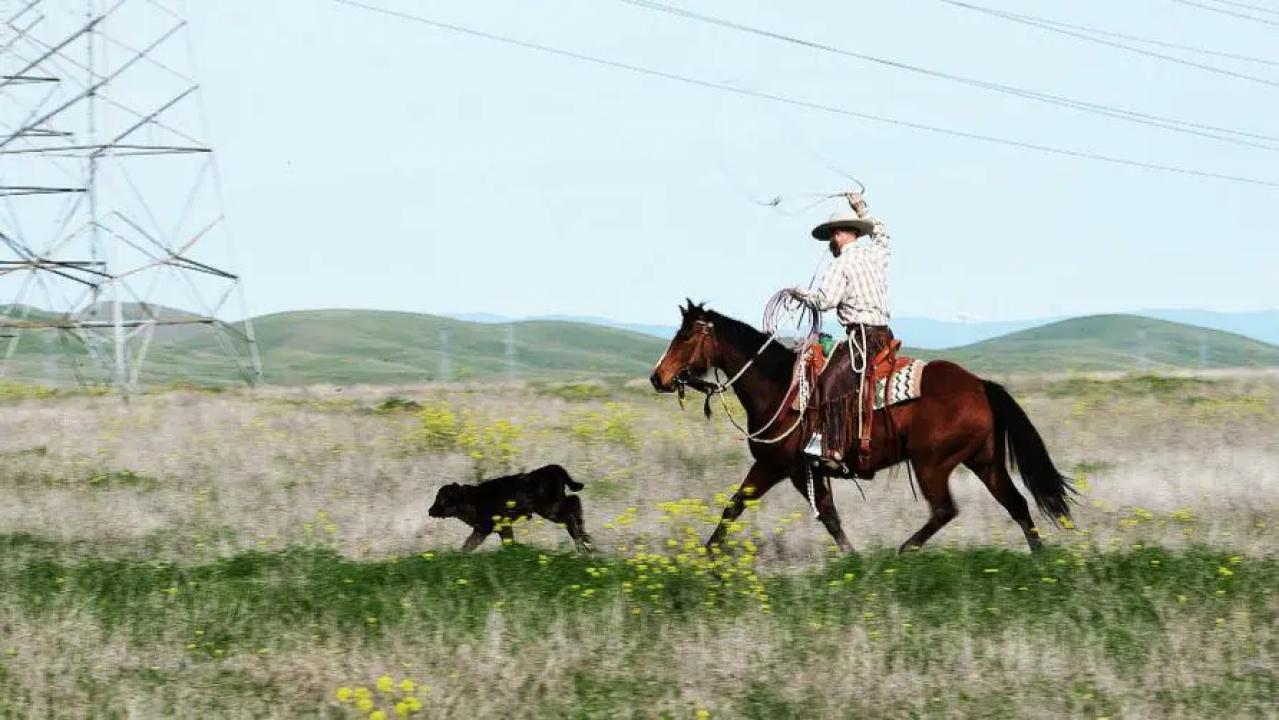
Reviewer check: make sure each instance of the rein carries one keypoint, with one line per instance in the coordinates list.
(711, 389)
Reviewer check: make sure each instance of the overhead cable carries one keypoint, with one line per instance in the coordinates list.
(1167, 123)
(795, 102)
(1224, 11)
(1062, 29)
(1248, 6)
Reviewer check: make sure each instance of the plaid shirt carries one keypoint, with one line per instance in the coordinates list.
(855, 284)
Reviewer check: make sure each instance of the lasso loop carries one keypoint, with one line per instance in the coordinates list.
(783, 302)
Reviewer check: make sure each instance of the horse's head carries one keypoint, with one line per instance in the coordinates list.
(691, 353)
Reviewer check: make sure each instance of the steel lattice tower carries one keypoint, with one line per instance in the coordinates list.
(113, 242)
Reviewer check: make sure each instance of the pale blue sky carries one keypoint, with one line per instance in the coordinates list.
(375, 163)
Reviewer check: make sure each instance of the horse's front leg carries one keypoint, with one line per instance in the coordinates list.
(824, 499)
(759, 480)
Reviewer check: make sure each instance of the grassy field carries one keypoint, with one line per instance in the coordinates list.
(268, 554)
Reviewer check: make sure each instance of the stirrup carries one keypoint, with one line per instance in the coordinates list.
(831, 466)
(814, 446)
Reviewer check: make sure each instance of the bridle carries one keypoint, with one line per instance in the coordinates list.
(706, 329)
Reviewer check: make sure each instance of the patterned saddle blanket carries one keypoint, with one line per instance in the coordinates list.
(906, 381)
(907, 378)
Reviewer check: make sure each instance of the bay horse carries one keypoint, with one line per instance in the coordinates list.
(958, 418)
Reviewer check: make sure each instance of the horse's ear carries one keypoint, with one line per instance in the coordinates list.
(683, 311)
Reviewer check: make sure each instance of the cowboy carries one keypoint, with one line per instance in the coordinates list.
(855, 285)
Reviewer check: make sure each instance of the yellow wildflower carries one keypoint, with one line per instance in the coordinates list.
(344, 694)
(385, 684)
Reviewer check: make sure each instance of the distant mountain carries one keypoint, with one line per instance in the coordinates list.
(1263, 325)
(1111, 342)
(367, 346)
(928, 333)
(661, 331)
(932, 334)
(490, 318)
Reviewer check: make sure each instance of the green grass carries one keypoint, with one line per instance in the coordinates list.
(574, 391)
(1119, 608)
(1155, 386)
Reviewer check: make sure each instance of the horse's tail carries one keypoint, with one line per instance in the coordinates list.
(1027, 454)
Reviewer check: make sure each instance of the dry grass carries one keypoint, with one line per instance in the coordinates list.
(231, 471)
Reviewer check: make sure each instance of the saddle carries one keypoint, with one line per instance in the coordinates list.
(881, 371)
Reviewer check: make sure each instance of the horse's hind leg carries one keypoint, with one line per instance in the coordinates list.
(824, 499)
(934, 483)
(1000, 483)
(759, 479)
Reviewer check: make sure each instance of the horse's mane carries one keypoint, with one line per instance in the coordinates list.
(777, 361)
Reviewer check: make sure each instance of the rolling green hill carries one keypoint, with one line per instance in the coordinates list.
(363, 346)
(1110, 342)
(373, 346)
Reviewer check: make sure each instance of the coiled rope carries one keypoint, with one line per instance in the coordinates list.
(781, 303)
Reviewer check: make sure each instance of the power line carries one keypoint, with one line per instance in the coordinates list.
(1260, 8)
(1158, 43)
(1167, 123)
(759, 95)
(1056, 27)
(1231, 13)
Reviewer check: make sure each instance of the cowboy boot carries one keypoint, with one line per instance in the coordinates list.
(829, 461)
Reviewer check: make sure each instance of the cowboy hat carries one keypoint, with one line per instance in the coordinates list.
(843, 220)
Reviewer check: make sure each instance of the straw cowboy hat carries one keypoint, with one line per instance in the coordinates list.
(843, 220)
